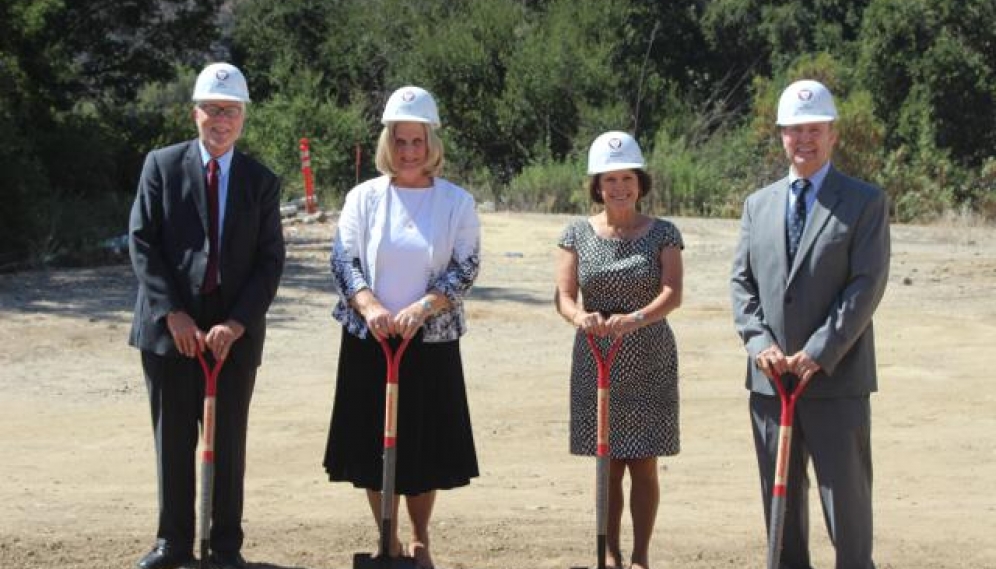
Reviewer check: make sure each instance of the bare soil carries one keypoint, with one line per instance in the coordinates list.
(76, 455)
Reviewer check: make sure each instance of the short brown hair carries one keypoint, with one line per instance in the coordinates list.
(385, 159)
(595, 185)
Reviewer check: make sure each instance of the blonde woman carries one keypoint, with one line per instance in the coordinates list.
(405, 254)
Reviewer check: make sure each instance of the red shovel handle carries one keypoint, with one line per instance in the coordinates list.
(788, 400)
(210, 374)
(776, 524)
(393, 359)
(207, 453)
(603, 362)
(783, 393)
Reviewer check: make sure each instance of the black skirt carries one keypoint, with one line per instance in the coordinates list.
(434, 438)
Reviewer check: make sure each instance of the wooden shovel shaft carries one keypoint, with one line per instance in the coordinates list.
(207, 455)
(603, 364)
(776, 523)
(393, 359)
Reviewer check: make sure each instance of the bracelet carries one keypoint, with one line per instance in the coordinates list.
(426, 305)
(639, 316)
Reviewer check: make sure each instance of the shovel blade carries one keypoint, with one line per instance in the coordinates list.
(370, 561)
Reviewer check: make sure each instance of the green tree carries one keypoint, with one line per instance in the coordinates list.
(462, 61)
(68, 73)
(752, 38)
(561, 88)
(931, 66)
(274, 128)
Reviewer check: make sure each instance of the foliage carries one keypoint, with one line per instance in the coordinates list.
(275, 127)
(88, 87)
(701, 175)
(68, 72)
(931, 66)
(463, 64)
(561, 67)
(921, 186)
(549, 187)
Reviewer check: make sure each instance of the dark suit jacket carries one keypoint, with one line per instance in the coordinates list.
(824, 302)
(168, 242)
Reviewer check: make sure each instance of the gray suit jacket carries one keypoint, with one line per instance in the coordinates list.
(168, 243)
(823, 303)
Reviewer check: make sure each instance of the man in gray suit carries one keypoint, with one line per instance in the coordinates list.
(809, 271)
(207, 247)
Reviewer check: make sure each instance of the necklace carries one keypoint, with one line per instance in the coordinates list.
(624, 232)
(410, 217)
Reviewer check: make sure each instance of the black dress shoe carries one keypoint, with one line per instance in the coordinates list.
(163, 556)
(228, 560)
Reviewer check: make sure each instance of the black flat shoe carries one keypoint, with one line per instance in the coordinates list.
(163, 556)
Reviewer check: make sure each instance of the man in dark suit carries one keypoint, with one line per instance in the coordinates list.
(207, 247)
(809, 271)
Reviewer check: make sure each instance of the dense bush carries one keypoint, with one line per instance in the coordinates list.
(549, 187)
(86, 89)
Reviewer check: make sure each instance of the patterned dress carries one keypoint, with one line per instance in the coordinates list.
(621, 276)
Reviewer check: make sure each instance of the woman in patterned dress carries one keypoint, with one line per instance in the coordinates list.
(619, 273)
(405, 254)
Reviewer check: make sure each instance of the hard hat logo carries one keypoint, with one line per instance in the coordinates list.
(805, 94)
(221, 75)
(615, 143)
(408, 96)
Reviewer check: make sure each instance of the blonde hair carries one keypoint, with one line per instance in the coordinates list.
(385, 158)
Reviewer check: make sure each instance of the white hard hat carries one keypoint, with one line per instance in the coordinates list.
(221, 82)
(411, 104)
(806, 101)
(614, 150)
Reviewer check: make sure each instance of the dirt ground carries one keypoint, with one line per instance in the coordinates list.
(76, 453)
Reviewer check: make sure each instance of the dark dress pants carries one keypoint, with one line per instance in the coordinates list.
(836, 435)
(176, 393)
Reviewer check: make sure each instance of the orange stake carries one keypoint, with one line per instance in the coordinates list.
(309, 181)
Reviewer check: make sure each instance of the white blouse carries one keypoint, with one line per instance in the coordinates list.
(403, 260)
(452, 234)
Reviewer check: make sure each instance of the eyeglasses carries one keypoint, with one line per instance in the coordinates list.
(215, 111)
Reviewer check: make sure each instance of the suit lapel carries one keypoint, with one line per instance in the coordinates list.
(826, 201)
(194, 171)
(236, 193)
(774, 223)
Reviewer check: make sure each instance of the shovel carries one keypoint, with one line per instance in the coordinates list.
(603, 363)
(207, 456)
(383, 559)
(776, 525)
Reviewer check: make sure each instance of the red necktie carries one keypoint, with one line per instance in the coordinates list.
(211, 273)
